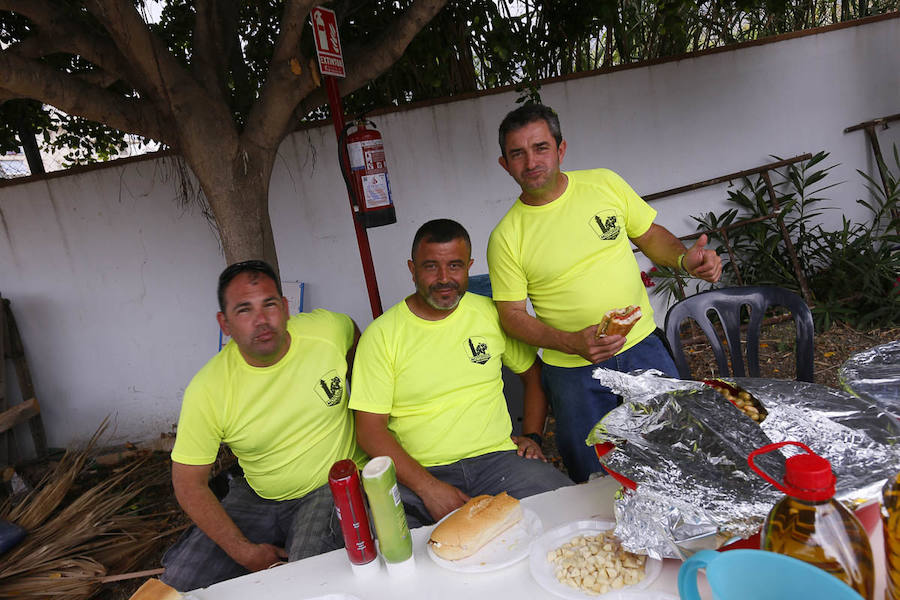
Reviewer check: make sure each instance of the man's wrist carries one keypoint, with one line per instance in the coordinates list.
(680, 263)
(536, 438)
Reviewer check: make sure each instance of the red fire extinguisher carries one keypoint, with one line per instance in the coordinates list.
(368, 179)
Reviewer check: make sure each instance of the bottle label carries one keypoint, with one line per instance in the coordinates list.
(395, 492)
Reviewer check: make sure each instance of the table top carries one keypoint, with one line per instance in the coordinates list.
(329, 575)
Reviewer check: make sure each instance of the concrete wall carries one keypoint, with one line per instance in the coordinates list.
(113, 283)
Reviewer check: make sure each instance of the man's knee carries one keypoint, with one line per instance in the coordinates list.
(195, 561)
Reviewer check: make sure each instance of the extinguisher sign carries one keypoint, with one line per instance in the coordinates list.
(328, 44)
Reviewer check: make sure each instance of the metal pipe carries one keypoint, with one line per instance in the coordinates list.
(362, 238)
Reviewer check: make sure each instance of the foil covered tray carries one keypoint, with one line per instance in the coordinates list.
(686, 447)
(874, 376)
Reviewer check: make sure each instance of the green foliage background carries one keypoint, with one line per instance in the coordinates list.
(471, 45)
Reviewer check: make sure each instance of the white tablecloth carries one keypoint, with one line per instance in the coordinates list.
(330, 575)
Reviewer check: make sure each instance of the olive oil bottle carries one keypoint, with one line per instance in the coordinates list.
(890, 521)
(810, 525)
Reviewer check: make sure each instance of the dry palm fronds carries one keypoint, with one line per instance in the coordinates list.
(70, 578)
(47, 495)
(78, 539)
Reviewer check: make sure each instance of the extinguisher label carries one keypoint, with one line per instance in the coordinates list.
(377, 190)
(355, 152)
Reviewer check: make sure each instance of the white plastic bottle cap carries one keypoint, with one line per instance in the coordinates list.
(403, 568)
(366, 570)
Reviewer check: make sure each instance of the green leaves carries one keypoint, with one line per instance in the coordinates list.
(852, 272)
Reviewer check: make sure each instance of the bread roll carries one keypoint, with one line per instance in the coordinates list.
(154, 589)
(619, 321)
(477, 522)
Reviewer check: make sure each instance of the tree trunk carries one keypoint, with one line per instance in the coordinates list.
(31, 150)
(237, 191)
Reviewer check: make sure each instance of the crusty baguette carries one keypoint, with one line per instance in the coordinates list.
(477, 522)
(154, 589)
(619, 321)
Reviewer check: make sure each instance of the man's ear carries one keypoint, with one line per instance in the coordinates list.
(502, 161)
(412, 269)
(284, 301)
(223, 323)
(562, 151)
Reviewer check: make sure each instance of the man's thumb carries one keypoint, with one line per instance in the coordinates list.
(699, 244)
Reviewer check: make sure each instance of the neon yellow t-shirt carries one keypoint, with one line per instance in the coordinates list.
(440, 381)
(287, 423)
(573, 257)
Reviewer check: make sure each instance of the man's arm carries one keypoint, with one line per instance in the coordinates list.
(373, 436)
(518, 323)
(534, 413)
(201, 505)
(663, 248)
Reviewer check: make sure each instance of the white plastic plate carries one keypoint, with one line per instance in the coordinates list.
(506, 549)
(544, 573)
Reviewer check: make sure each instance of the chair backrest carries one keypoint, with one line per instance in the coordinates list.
(727, 304)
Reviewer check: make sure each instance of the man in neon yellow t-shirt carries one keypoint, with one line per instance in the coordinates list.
(428, 391)
(566, 245)
(276, 395)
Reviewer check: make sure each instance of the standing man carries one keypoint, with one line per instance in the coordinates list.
(277, 395)
(566, 245)
(428, 391)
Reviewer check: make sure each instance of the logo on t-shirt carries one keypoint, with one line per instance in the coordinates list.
(330, 388)
(605, 224)
(477, 350)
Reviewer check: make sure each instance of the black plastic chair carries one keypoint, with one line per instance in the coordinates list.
(727, 304)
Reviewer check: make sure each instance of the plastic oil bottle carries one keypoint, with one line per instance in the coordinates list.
(810, 525)
(890, 521)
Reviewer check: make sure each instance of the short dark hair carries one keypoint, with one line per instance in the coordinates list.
(529, 113)
(440, 231)
(247, 266)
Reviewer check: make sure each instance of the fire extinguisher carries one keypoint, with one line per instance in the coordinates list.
(367, 181)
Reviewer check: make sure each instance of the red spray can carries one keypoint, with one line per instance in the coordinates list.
(343, 479)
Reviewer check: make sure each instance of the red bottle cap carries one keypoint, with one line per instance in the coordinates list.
(807, 476)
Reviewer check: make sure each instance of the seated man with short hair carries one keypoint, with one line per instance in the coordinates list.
(428, 390)
(276, 395)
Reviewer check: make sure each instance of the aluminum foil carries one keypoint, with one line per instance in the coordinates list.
(686, 447)
(874, 376)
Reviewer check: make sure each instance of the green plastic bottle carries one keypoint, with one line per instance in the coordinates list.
(394, 540)
(810, 525)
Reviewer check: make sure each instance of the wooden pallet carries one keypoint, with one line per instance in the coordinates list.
(29, 410)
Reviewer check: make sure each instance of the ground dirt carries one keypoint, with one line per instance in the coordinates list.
(832, 348)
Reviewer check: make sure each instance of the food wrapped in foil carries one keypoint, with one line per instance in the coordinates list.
(686, 447)
(874, 376)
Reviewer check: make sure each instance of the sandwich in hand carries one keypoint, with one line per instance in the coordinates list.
(619, 321)
(476, 523)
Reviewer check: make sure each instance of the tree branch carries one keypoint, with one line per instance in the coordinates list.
(213, 31)
(58, 33)
(271, 118)
(369, 63)
(168, 82)
(33, 79)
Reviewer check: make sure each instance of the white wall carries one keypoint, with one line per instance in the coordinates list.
(113, 284)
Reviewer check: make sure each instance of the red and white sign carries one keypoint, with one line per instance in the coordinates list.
(328, 44)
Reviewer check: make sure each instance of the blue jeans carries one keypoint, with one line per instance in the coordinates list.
(579, 401)
(490, 473)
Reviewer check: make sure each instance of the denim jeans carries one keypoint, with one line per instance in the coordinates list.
(490, 473)
(579, 401)
(304, 527)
